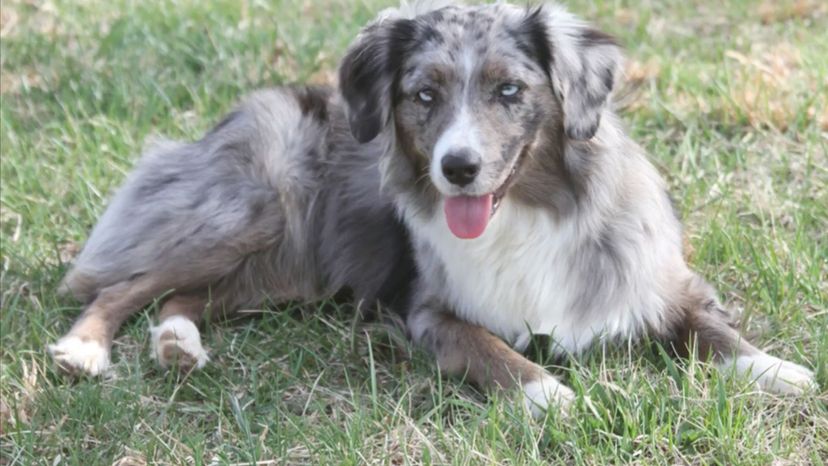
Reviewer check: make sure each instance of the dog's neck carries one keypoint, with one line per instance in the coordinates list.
(556, 173)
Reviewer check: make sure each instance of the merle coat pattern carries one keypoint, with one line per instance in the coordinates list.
(470, 155)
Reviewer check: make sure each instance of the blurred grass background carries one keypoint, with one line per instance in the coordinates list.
(730, 98)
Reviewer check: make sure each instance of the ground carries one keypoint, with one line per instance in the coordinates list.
(730, 98)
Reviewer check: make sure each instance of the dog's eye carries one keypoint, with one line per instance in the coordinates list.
(509, 89)
(426, 96)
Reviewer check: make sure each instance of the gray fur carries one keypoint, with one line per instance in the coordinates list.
(260, 208)
(302, 192)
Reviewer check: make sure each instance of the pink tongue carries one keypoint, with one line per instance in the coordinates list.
(468, 216)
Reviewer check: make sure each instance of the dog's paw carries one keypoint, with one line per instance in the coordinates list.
(775, 375)
(76, 356)
(539, 395)
(177, 341)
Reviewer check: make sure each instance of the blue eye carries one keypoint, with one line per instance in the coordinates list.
(426, 96)
(509, 90)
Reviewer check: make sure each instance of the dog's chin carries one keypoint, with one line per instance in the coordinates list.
(468, 214)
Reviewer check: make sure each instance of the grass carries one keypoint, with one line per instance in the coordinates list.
(730, 98)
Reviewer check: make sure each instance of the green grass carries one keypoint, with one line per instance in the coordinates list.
(730, 99)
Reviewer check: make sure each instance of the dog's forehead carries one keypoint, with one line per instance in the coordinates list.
(456, 25)
(456, 39)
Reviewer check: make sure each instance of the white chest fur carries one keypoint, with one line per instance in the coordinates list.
(517, 280)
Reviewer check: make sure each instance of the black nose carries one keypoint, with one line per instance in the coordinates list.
(461, 167)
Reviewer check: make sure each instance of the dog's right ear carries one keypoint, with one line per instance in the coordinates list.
(367, 74)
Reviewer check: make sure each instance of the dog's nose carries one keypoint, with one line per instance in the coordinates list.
(461, 167)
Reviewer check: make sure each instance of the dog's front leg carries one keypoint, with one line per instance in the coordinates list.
(469, 350)
(704, 325)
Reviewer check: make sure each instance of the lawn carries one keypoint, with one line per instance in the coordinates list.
(729, 97)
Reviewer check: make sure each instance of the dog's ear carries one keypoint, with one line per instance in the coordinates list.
(367, 74)
(582, 62)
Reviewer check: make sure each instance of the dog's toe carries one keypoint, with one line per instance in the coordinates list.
(540, 394)
(775, 375)
(177, 341)
(76, 356)
(787, 378)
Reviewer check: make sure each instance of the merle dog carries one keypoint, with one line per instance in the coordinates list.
(470, 154)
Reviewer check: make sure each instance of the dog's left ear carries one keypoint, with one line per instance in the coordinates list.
(367, 74)
(582, 63)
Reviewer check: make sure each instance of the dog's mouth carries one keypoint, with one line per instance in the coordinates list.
(468, 216)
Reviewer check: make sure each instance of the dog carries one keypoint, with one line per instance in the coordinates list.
(468, 171)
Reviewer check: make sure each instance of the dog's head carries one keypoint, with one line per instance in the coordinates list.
(466, 91)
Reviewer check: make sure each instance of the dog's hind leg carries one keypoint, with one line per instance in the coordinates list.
(176, 340)
(86, 347)
(196, 216)
(703, 325)
(469, 350)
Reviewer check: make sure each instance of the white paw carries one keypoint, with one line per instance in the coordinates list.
(76, 356)
(177, 340)
(540, 394)
(774, 375)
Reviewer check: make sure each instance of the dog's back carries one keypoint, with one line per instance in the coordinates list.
(272, 203)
